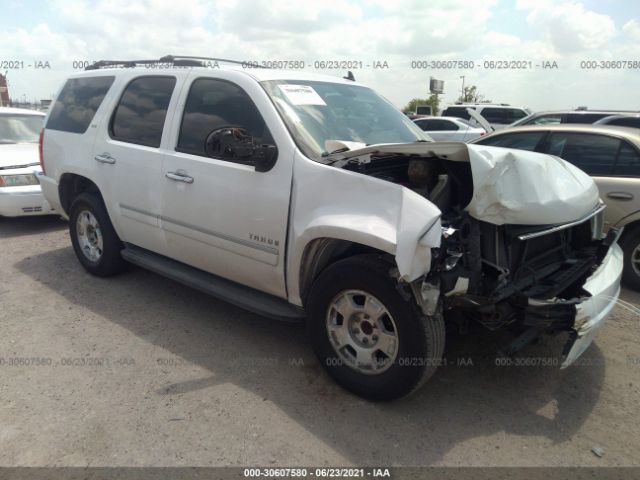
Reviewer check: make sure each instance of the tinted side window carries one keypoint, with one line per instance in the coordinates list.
(585, 117)
(594, 154)
(447, 125)
(459, 112)
(140, 114)
(502, 115)
(424, 125)
(626, 122)
(77, 103)
(519, 140)
(628, 163)
(214, 104)
(517, 114)
(494, 115)
(436, 125)
(552, 119)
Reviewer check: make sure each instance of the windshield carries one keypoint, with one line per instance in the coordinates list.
(318, 112)
(20, 128)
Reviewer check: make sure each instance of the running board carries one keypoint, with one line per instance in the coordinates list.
(239, 295)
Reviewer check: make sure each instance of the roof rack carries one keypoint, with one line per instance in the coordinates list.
(175, 60)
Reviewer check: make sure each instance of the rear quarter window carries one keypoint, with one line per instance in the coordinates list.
(77, 103)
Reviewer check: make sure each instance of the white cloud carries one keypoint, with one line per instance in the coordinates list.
(632, 29)
(397, 32)
(569, 25)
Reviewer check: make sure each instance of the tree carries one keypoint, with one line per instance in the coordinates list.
(471, 95)
(433, 100)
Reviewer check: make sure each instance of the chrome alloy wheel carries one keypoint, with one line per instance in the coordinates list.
(362, 332)
(89, 236)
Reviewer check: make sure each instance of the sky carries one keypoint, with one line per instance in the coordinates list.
(43, 41)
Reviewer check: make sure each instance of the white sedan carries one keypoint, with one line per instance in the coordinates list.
(20, 192)
(451, 129)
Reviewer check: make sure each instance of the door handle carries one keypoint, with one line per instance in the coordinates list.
(179, 177)
(620, 195)
(105, 158)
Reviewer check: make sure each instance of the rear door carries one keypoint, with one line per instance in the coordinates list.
(621, 190)
(223, 216)
(598, 155)
(127, 154)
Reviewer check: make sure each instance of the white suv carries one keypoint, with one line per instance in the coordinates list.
(497, 115)
(306, 196)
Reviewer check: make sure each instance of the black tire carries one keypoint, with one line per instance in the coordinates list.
(109, 262)
(629, 242)
(420, 340)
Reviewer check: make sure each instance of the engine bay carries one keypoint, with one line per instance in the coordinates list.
(487, 272)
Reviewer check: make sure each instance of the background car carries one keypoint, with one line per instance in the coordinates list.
(623, 120)
(20, 192)
(611, 155)
(449, 128)
(497, 115)
(582, 116)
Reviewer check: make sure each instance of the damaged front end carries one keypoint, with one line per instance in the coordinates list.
(562, 278)
(522, 244)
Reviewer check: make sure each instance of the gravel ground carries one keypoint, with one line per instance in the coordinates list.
(138, 370)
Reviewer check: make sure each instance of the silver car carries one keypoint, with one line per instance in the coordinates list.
(450, 129)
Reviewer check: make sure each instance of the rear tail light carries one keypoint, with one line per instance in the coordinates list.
(40, 149)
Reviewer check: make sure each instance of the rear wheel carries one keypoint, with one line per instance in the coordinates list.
(94, 239)
(370, 338)
(630, 244)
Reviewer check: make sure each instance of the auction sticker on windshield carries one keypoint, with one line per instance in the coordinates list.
(301, 95)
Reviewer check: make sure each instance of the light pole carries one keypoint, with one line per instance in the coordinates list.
(462, 89)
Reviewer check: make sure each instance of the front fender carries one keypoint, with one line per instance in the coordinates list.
(328, 202)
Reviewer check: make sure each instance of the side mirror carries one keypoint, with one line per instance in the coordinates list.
(236, 144)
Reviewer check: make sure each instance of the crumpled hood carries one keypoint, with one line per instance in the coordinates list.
(520, 187)
(18, 154)
(509, 186)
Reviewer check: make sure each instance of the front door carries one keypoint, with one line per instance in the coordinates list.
(223, 216)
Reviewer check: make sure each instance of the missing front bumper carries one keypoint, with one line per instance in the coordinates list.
(604, 287)
(585, 317)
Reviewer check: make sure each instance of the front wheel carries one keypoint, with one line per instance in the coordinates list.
(370, 338)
